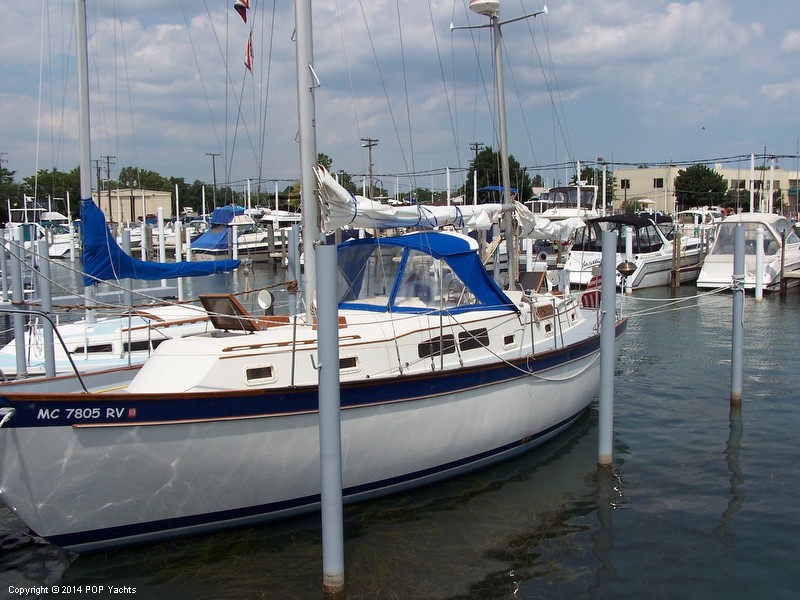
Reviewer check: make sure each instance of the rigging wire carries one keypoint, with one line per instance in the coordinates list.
(349, 76)
(405, 88)
(383, 85)
(200, 71)
(267, 78)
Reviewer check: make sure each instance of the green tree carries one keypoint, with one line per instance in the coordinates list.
(487, 163)
(9, 191)
(699, 185)
(324, 160)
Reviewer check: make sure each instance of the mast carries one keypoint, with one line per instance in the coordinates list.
(511, 242)
(85, 162)
(306, 82)
(491, 9)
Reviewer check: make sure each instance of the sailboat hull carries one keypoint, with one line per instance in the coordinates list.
(127, 470)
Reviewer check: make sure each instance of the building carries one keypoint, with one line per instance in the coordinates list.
(133, 204)
(653, 187)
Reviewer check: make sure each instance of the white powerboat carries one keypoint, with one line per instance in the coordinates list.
(780, 240)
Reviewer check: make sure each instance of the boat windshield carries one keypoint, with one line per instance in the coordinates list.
(772, 245)
(645, 239)
(391, 278)
(567, 197)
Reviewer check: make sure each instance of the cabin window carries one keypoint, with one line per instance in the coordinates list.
(348, 363)
(437, 346)
(509, 340)
(136, 346)
(96, 349)
(477, 338)
(259, 375)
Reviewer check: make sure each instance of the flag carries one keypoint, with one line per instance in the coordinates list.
(241, 7)
(248, 57)
(591, 296)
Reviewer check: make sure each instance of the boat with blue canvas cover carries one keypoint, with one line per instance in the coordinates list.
(441, 372)
(118, 337)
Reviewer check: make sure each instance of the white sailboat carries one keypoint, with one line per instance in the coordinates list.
(441, 372)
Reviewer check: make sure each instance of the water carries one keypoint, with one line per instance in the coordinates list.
(701, 502)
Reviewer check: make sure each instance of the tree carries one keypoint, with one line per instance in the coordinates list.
(487, 163)
(9, 191)
(699, 185)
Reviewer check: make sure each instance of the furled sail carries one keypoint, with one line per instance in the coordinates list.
(340, 208)
(539, 228)
(103, 259)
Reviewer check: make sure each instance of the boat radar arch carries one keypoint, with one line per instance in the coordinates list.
(487, 8)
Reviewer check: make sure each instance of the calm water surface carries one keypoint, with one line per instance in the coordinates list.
(702, 501)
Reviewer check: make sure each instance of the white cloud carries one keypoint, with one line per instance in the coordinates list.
(630, 79)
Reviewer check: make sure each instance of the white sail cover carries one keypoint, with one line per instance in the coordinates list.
(539, 228)
(340, 208)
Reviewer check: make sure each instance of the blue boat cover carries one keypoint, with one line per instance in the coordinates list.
(459, 252)
(104, 260)
(212, 240)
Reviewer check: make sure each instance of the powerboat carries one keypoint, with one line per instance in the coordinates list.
(780, 243)
(640, 241)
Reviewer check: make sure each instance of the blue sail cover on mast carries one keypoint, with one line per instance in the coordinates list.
(103, 259)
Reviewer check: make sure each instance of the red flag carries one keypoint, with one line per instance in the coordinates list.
(248, 57)
(241, 7)
(591, 297)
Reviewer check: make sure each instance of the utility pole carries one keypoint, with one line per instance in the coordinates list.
(99, 187)
(476, 147)
(369, 143)
(108, 179)
(214, 156)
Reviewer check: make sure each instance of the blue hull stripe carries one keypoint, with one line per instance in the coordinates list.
(129, 410)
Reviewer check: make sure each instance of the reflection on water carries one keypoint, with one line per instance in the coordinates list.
(482, 536)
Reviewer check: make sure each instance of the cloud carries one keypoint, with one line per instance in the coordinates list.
(619, 78)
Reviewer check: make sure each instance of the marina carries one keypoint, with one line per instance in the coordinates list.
(700, 504)
(404, 414)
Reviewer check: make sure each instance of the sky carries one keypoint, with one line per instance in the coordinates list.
(630, 81)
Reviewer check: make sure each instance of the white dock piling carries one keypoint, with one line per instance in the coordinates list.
(46, 295)
(608, 323)
(628, 257)
(737, 320)
(4, 266)
(760, 263)
(330, 443)
(127, 292)
(17, 299)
